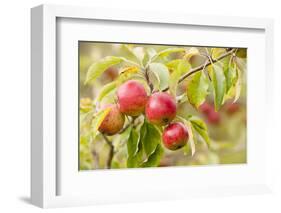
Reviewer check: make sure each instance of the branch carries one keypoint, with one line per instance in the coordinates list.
(199, 68)
(95, 156)
(111, 151)
(147, 79)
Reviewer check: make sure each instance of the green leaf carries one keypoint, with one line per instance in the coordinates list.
(150, 138)
(149, 54)
(219, 85)
(182, 67)
(134, 150)
(97, 120)
(105, 90)
(201, 128)
(137, 52)
(161, 72)
(154, 159)
(168, 51)
(96, 69)
(230, 76)
(197, 89)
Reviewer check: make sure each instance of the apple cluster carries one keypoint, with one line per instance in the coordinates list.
(159, 108)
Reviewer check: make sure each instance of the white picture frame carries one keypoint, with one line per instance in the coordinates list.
(48, 170)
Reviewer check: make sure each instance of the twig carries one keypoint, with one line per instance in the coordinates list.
(96, 159)
(147, 79)
(111, 151)
(199, 68)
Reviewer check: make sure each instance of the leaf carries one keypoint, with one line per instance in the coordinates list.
(182, 67)
(139, 53)
(230, 76)
(191, 142)
(133, 147)
(97, 120)
(149, 54)
(238, 85)
(97, 68)
(126, 73)
(217, 52)
(172, 65)
(154, 159)
(190, 146)
(168, 51)
(201, 128)
(191, 52)
(161, 73)
(105, 90)
(150, 138)
(197, 89)
(219, 85)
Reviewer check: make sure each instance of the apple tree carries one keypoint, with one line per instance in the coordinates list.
(143, 116)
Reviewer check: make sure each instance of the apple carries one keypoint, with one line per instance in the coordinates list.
(161, 108)
(132, 98)
(175, 136)
(113, 122)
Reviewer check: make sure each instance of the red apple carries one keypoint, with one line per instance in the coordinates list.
(206, 108)
(175, 136)
(132, 98)
(231, 108)
(213, 117)
(113, 122)
(161, 108)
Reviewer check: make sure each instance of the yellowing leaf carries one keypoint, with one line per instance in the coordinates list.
(182, 67)
(217, 52)
(191, 137)
(191, 52)
(172, 65)
(201, 128)
(97, 120)
(238, 85)
(97, 68)
(128, 71)
(197, 89)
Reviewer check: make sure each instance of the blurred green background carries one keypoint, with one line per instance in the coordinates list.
(227, 128)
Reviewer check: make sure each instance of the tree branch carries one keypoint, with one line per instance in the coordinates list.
(111, 151)
(199, 68)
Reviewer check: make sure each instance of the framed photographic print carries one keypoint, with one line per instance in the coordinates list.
(137, 106)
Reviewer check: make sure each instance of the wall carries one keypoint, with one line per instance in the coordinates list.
(15, 98)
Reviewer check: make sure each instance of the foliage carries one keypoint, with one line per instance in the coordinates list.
(219, 79)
